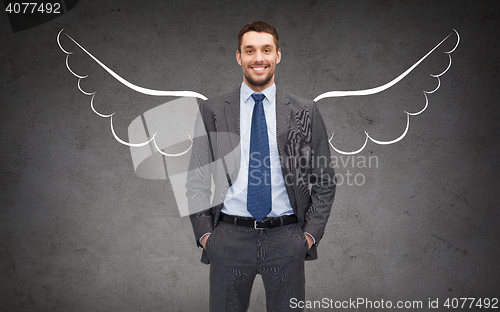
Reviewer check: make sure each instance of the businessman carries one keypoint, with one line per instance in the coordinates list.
(261, 185)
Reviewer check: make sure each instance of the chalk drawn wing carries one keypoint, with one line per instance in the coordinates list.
(152, 138)
(387, 86)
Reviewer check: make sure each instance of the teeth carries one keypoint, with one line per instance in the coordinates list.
(258, 68)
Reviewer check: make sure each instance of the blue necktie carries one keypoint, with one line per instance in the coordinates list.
(259, 165)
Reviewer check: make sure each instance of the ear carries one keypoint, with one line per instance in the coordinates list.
(238, 57)
(279, 56)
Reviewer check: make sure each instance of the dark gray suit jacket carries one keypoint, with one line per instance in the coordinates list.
(304, 154)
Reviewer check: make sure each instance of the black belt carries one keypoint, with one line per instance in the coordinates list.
(266, 223)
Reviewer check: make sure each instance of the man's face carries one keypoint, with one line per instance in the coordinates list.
(258, 59)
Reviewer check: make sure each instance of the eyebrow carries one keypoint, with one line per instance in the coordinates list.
(265, 46)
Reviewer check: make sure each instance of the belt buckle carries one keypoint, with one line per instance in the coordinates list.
(255, 226)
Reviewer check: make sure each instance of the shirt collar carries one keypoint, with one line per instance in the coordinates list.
(246, 92)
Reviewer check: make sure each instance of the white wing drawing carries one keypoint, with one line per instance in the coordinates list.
(139, 89)
(387, 86)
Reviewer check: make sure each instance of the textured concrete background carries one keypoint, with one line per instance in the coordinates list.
(79, 231)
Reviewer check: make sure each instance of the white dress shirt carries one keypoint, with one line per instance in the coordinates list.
(235, 202)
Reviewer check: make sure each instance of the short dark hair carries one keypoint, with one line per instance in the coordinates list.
(259, 26)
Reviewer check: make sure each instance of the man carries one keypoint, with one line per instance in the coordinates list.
(267, 153)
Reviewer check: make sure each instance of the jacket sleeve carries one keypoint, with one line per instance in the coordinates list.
(321, 178)
(199, 176)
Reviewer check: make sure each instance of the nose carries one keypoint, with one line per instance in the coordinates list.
(259, 56)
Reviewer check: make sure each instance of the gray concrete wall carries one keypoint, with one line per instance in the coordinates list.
(80, 231)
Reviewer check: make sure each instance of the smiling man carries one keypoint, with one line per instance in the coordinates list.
(273, 196)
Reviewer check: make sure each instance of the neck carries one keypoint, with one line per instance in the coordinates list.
(259, 88)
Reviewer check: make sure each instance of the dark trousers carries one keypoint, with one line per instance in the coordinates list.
(237, 254)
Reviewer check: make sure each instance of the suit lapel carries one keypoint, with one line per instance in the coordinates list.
(232, 120)
(283, 111)
(232, 114)
(283, 114)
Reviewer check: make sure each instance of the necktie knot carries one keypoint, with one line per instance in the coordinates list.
(258, 97)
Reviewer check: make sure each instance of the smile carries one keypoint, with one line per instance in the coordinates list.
(258, 68)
